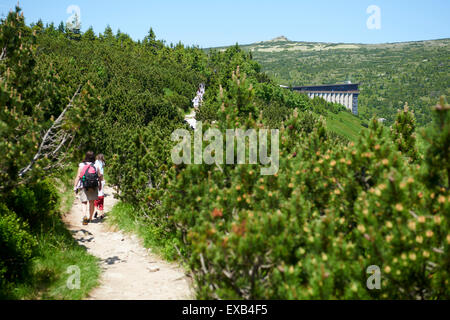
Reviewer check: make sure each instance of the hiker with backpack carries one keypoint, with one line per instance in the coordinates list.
(88, 183)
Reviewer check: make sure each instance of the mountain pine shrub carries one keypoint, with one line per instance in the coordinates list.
(312, 230)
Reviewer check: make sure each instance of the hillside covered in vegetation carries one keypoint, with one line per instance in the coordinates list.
(390, 74)
(344, 198)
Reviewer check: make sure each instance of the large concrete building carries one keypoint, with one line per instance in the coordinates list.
(345, 94)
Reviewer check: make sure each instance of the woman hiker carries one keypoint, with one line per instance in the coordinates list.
(88, 182)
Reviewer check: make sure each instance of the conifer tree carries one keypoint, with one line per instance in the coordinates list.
(89, 34)
(61, 27)
(37, 123)
(403, 133)
(437, 156)
(151, 43)
(108, 34)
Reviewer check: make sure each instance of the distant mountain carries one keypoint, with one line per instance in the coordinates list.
(279, 39)
(282, 43)
(390, 74)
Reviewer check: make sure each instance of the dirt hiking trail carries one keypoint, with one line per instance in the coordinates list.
(129, 271)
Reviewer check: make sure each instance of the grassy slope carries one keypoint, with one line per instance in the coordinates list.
(56, 251)
(345, 124)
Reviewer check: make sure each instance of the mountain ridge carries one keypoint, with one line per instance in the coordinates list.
(389, 74)
(282, 40)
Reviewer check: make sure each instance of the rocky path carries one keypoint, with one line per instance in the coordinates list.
(129, 271)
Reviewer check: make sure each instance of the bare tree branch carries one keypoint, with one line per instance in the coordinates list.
(202, 261)
(3, 54)
(53, 139)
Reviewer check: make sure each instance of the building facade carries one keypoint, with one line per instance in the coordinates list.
(345, 94)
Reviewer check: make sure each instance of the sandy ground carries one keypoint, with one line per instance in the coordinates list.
(129, 271)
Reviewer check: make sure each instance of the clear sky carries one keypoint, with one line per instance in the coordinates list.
(210, 23)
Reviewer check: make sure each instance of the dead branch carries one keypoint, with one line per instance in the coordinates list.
(202, 261)
(413, 214)
(53, 139)
(3, 54)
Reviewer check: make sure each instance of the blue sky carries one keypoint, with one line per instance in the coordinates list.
(210, 23)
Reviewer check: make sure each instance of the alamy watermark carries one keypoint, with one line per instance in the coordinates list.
(213, 153)
(374, 20)
(73, 282)
(74, 21)
(374, 281)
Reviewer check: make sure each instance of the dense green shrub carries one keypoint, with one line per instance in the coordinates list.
(16, 246)
(32, 99)
(35, 203)
(312, 230)
(403, 133)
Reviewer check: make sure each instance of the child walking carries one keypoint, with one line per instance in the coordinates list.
(100, 163)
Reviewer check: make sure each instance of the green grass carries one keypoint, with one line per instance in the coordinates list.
(345, 124)
(123, 216)
(67, 199)
(127, 218)
(57, 250)
(48, 277)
